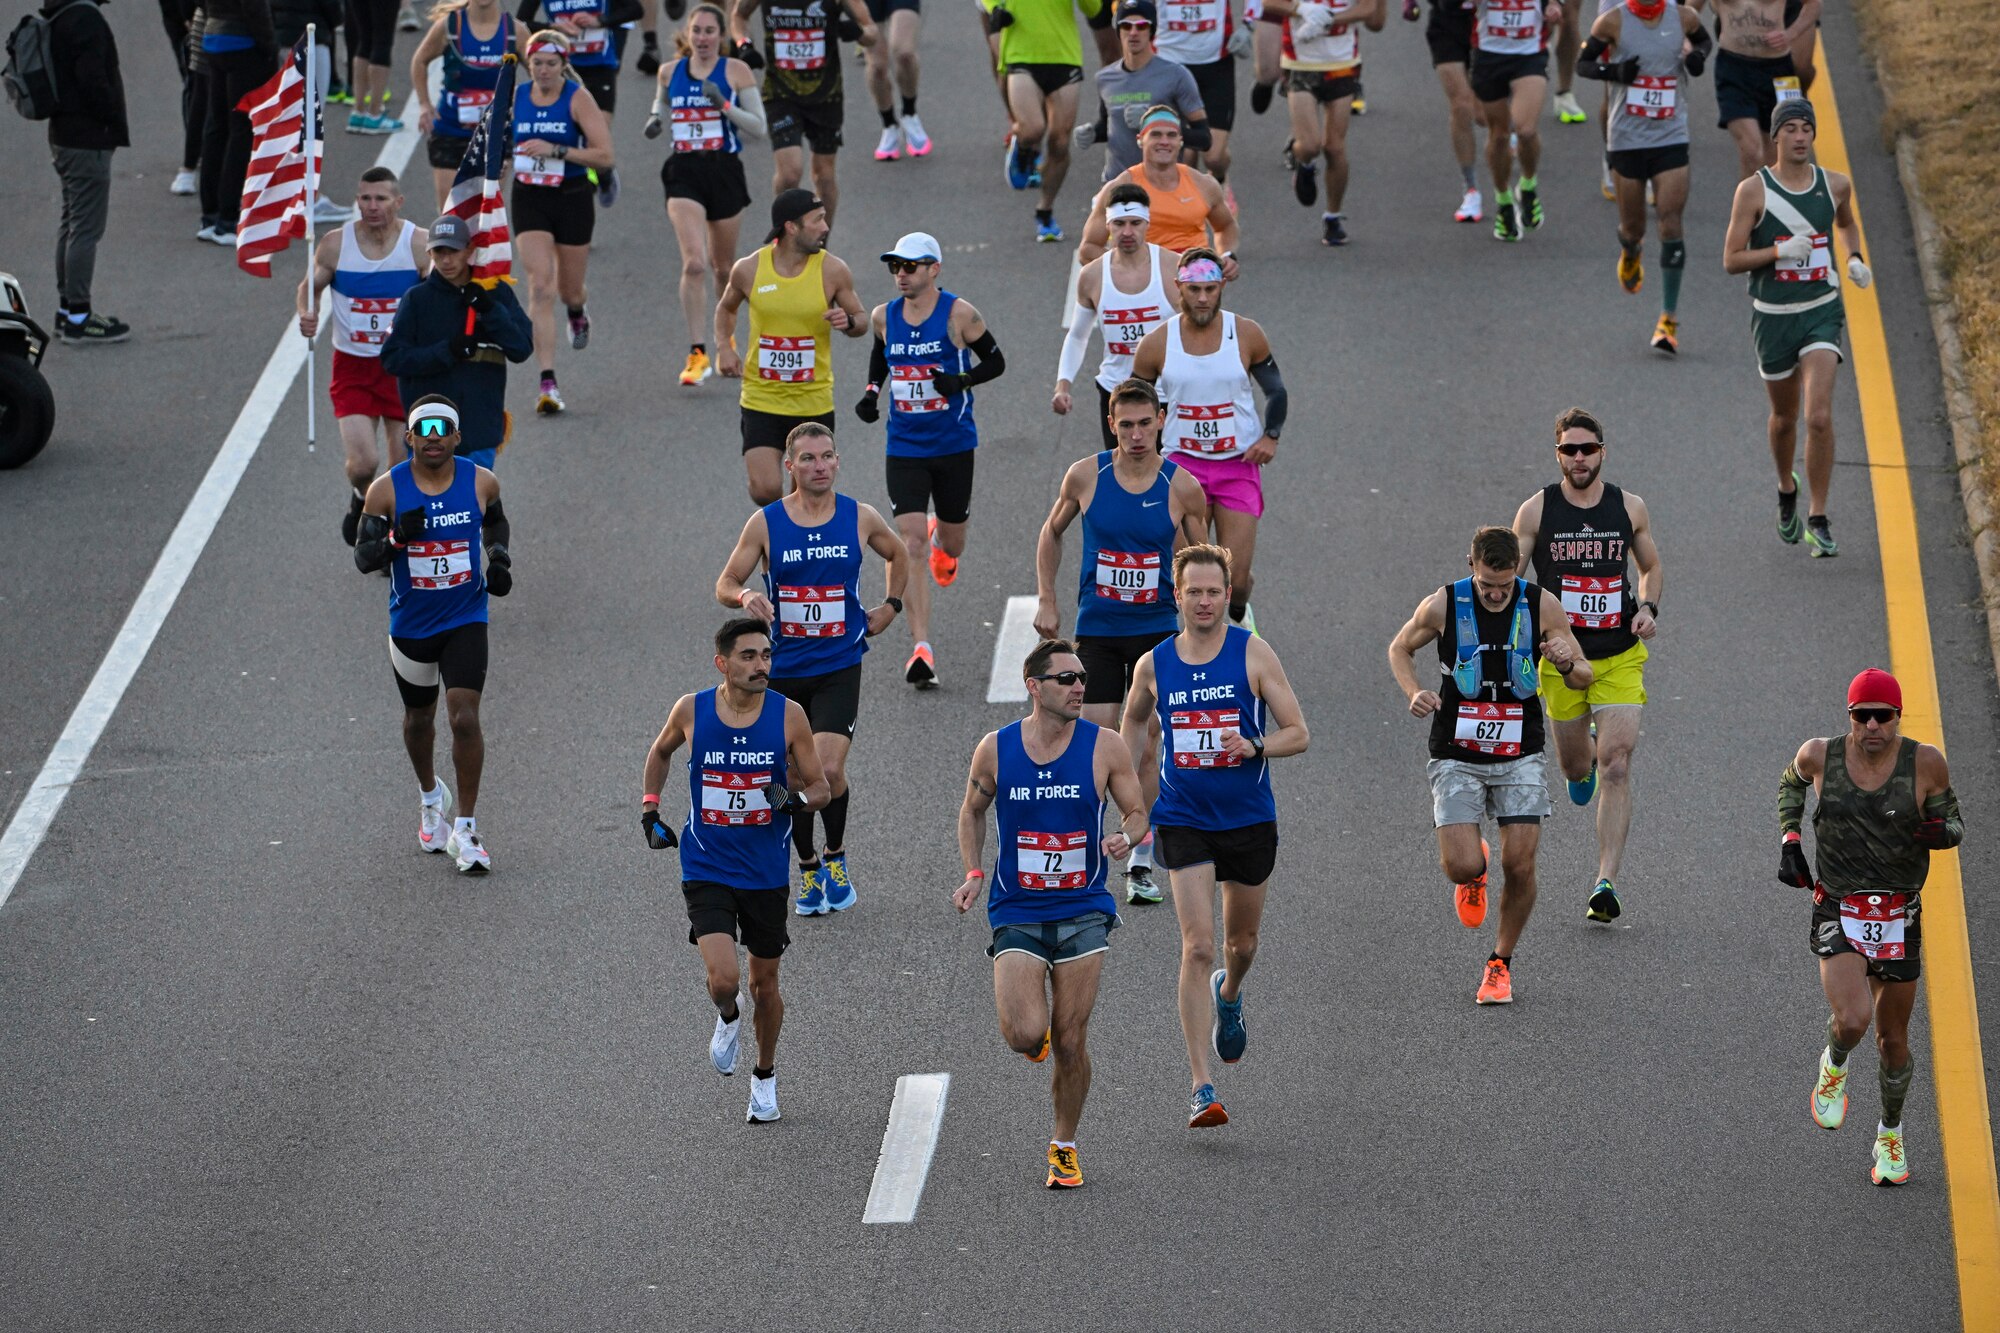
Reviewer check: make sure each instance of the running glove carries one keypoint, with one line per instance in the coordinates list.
(947, 382)
(499, 571)
(658, 836)
(846, 28)
(1311, 19)
(786, 802)
(1794, 249)
(1931, 833)
(409, 526)
(653, 127)
(1792, 867)
(1240, 41)
(465, 346)
(478, 297)
(1858, 271)
(869, 408)
(714, 92)
(750, 55)
(998, 17)
(1135, 114)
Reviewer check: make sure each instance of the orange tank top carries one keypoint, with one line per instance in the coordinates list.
(1180, 217)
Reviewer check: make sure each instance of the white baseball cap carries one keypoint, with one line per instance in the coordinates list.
(915, 246)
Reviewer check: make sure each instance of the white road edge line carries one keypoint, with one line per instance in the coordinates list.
(907, 1146)
(1017, 639)
(156, 599)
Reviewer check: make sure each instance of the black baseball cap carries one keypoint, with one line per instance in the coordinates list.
(1137, 9)
(790, 206)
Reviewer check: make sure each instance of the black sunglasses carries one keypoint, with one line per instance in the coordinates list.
(1066, 678)
(1577, 450)
(434, 427)
(908, 265)
(1880, 716)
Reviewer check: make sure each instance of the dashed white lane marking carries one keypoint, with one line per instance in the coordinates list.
(907, 1146)
(156, 599)
(1017, 639)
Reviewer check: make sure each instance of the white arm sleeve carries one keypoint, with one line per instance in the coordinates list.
(1081, 321)
(747, 112)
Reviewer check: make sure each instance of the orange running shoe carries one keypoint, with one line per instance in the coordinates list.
(921, 669)
(697, 369)
(944, 568)
(1471, 896)
(1064, 1173)
(1042, 1054)
(1498, 988)
(1631, 271)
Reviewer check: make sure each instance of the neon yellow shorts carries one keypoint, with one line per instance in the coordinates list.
(1618, 679)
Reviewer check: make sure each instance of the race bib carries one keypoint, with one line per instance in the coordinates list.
(911, 390)
(370, 318)
(589, 42)
(697, 129)
(1513, 20)
(1205, 429)
(435, 565)
(787, 360)
(1125, 329)
(1197, 736)
(472, 104)
(1191, 18)
(798, 48)
(1653, 96)
(1052, 860)
(1874, 922)
(811, 613)
(537, 170)
(1129, 576)
(1490, 728)
(733, 800)
(1787, 88)
(1813, 268)
(1594, 603)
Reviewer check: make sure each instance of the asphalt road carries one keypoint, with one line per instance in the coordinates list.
(266, 1066)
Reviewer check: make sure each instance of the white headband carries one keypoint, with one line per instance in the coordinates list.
(445, 410)
(1139, 211)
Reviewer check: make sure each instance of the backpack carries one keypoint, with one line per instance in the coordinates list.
(30, 72)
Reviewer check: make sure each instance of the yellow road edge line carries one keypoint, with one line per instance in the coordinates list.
(1964, 1126)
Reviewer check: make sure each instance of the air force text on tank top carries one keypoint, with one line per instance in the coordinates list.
(1050, 865)
(814, 583)
(1202, 786)
(438, 582)
(733, 836)
(922, 422)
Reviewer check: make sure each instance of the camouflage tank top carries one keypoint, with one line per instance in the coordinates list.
(1864, 837)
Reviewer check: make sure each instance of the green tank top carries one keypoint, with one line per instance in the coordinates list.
(1787, 287)
(1864, 837)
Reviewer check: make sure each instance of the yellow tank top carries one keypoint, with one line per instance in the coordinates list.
(1180, 217)
(787, 368)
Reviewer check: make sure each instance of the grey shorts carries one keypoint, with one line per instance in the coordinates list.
(1513, 792)
(1055, 942)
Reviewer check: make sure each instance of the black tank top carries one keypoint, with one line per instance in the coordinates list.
(1580, 556)
(1491, 727)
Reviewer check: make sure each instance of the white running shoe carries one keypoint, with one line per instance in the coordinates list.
(914, 138)
(1891, 1167)
(434, 825)
(890, 147)
(468, 852)
(728, 1038)
(763, 1099)
(185, 182)
(1471, 208)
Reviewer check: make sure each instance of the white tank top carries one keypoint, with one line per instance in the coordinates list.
(1191, 32)
(1125, 319)
(365, 291)
(1511, 27)
(1211, 412)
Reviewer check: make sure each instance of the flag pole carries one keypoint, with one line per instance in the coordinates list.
(311, 129)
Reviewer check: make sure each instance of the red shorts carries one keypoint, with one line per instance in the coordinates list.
(361, 388)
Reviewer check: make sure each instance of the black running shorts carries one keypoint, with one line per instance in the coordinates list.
(817, 124)
(455, 659)
(568, 212)
(1829, 939)
(1642, 164)
(832, 701)
(601, 82)
(1448, 33)
(767, 430)
(1244, 855)
(1493, 76)
(942, 485)
(713, 180)
(1110, 660)
(755, 916)
(1216, 82)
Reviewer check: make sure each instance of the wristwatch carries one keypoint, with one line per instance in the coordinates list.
(894, 604)
(1258, 743)
(1651, 608)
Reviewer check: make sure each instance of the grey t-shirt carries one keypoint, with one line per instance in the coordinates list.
(1160, 83)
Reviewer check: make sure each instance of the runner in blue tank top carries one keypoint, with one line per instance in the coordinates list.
(434, 522)
(1221, 699)
(925, 345)
(471, 71)
(1045, 778)
(1137, 509)
(596, 46)
(751, 774)
(811, 544)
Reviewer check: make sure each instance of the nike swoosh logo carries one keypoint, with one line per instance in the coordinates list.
(1151, 504)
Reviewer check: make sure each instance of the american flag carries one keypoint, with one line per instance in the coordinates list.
(283, 150)
(475, 193)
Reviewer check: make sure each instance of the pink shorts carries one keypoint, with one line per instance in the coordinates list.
(1233, 483)
(361, 388)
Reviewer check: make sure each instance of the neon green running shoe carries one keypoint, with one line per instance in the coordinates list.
(1829, 1099)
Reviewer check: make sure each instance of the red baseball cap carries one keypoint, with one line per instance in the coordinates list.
(1875, 686)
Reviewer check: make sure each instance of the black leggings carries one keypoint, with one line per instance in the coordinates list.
(371, 30)
(225, 139)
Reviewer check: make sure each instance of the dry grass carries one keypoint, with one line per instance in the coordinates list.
(1941, 77)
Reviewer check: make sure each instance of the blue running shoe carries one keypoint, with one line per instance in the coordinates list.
(1205, 1109)
(1019, 172)
(1603, 903)
(1048, 231)
(839, 888)
(812, 894)
(1581, 792)
(1228, 1035)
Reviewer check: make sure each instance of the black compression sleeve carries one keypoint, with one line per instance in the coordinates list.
(878, 363)
(493, 527)
(1277, 399)
(992, 364)
(371, 543)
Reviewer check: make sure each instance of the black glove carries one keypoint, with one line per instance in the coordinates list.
(869, 408)
(1930, 833)
(465, 346)
(499, 571)
(1696, 62)
(478, 297)
(715, 94)
(658, 836)
(846, 28)
(998, 17)
(750, 55)
(1626, 70)
(409, 526)
(786, 802)
(1792, 867)
(947, 382)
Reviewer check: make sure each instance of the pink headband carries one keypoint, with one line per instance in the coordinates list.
(1200, 270)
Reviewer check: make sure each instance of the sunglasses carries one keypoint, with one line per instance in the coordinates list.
(1135, 25)
(907, 265)
(1066, 678)
(435, 428)
(1881, 717)
(1578, 450)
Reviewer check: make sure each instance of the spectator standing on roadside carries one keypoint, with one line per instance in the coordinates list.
(288, 20)
(242, 52)
(177, 17)
(87, 127)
